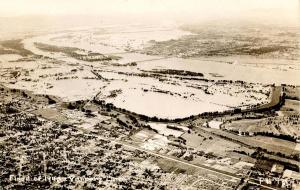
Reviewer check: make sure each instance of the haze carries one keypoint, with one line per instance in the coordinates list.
(287, 10)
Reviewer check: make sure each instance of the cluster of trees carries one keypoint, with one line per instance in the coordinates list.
(20, 121)
(178, 72)
(122, 123)
(265, 133)
(279, 136)
(50, 100)
(258, 154)
(79, 104)
(8, 108)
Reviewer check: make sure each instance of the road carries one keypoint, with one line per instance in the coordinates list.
(198, 166)
(202, 167)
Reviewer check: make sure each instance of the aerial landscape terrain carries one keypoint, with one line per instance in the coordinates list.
(199, 105)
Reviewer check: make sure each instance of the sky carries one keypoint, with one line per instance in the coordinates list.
(142, 7)
(284, 11)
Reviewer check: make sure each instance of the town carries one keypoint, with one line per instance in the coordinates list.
(95, 102)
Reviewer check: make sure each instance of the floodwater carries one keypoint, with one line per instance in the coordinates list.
(150, 103)
(233, 68)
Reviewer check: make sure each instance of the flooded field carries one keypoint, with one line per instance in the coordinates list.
(110, 41)
(143, 94)
(155, 86)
